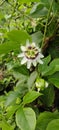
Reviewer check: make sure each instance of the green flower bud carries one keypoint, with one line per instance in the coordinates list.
(41, 84)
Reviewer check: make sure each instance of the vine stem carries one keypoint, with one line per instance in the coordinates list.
(46, 24)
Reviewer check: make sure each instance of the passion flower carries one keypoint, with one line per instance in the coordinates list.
(31, 55)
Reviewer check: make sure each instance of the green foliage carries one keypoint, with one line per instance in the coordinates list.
(29, 97)
(18, 36)
(55, 47)
(53, 125)
(27, 1)
(4, 125)
(25, 116)
(48, 96)
(54, 79)
(49, 69)
(21, 69)
(16, 39)
(31, 79)
(39, 10)
(37, 37)
(45, 119)
(12, 96)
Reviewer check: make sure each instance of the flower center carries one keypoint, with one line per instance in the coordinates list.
(31, 52)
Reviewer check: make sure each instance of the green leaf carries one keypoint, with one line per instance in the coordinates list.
(21, 88)
(16, 39)
(47, 70)
(9, 46)
(18, 75)
(54, 79)
(37, 37)
(19, 36)
(11, 98)
(30, 97)
(47, 59)
(51, 69)
(27, 1)
(53, 125)
(1, 15)
(2, 98)
(24, 117)
(44, 68)
(55, 62)
(39, 10)
(11, 110)
(5, 126)
(48, 96)
(56, 6)
(31, 79)
(54, 66)
(46, 3)
(44, 118)
(21, 69)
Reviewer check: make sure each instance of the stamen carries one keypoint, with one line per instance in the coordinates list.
(31, 52)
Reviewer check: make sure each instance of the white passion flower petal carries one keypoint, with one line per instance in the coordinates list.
(33, 44)
(29, 62)
(40, 61)
(23, 48)
(39, 49)
(34, 62)
(23, 61)
(41, 55)
(21, 55)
